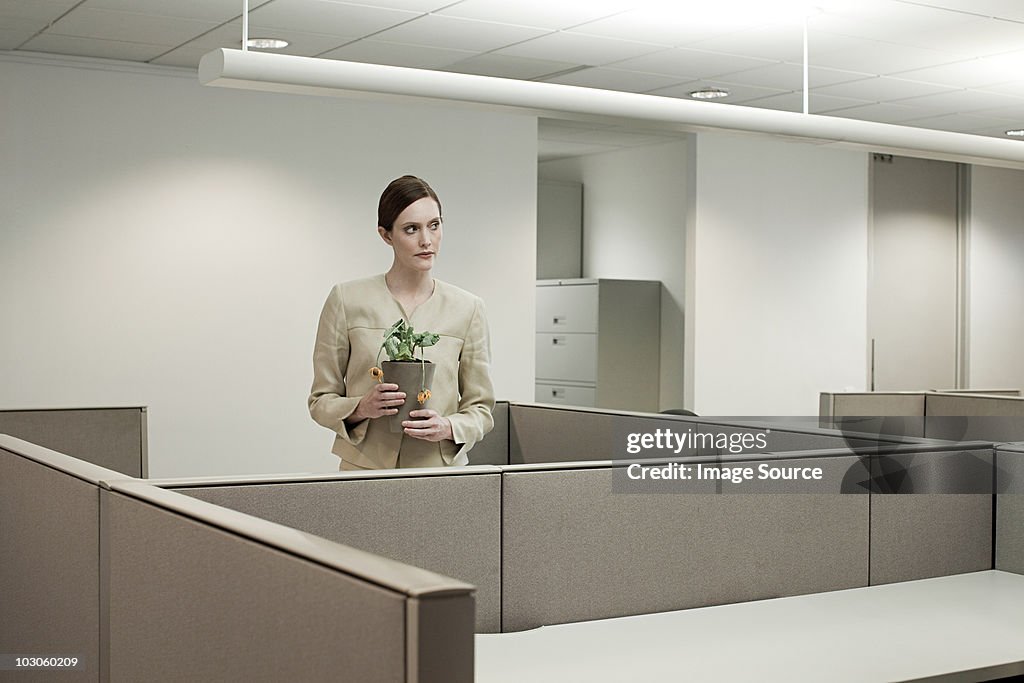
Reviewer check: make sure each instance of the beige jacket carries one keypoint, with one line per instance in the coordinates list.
(351, 329)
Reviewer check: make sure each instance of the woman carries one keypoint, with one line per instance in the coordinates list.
(348, 400)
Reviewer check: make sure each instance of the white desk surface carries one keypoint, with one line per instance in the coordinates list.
(918, 630)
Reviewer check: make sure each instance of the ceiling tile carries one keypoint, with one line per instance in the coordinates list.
(881, 88)
(129, 27)
(419, 6)
(93, 47)
(884, 20)
(12, 39)
(793, 101)
(507, 66)
(961, 123)
(788, 76)
(38, 12)
(647, 28)
(461, 34)
(972, 73)
(321, 16)
(303, 44)
(187, 56)
(557, 149)
(693, 64)
(615, 79)
(881, 58)
(1006, 9)
(880, 112)
(737, 93)
(777, 43)
(569, 46)
(202, 10)
(538, 13)
(397, 54)
(976, 38)
(962, 101)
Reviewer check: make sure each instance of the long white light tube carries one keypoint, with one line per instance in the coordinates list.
(312, 76)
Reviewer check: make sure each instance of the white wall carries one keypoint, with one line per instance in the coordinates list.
(996, 267)
(778, 274)
(634, 228)
(169, 245)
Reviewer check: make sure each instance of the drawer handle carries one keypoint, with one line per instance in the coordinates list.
(558, 341)
(558, 393)
(558, 320)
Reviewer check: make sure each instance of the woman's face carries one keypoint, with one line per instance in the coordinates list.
(416, 235)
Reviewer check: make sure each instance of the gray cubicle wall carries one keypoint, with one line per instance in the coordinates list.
(446, 520)
(932, 513)
(974, 416)
(574, 549)
(194, 591)
(493, 448)
(114, 438)
(541, 434)
(1010, 508)
(49, 545)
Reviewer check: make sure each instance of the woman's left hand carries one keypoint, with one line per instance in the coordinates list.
(428, 425)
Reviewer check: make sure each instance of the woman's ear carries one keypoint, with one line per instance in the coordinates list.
(384, 234)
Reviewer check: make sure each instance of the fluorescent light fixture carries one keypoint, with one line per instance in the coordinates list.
(267, 43)
(709, 93)
(1017, 133)
(311, 76)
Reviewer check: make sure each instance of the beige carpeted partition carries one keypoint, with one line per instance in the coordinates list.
(1010, 508)
(114, 438)
(49, 550)
(931, 513)
(445, 520)
(198, 592)
(574, 549)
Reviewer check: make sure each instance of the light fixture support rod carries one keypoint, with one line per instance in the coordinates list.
(807, 79)
(245, 25)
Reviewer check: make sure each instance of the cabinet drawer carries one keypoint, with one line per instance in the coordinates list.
(567, 308)
(567, 357)
(567, 395)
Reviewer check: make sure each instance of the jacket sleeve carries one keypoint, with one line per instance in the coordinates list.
(328, 403)
(476, 392)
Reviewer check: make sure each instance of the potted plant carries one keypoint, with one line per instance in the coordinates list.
(403, 368)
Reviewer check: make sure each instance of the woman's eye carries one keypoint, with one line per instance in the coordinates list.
(410, 229)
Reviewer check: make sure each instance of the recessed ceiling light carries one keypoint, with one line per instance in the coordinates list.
(1019, 133)
(709, 93)
(267, 43)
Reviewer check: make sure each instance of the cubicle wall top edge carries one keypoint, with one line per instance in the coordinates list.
(312, 477)
(397, 576)
(75, 467)
(1011, 447)
(866, 452)
(730, 421)
(75, 408)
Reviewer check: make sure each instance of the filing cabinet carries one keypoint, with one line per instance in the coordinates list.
(599, 343)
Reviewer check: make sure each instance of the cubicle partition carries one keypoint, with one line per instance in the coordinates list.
(1009, 523)
(114, 438)
(196, 592)
(540, 433)
(49, 556)
(141, 583)
(560, 542)
(992, 415)
(447, 520)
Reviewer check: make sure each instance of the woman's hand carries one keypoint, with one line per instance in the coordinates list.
(383, 399)
(429, 426)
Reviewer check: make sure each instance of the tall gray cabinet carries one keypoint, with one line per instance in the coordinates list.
(599, 343)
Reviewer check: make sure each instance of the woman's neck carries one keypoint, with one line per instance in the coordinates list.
(413, 285)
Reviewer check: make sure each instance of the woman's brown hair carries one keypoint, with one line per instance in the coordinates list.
(399, 194)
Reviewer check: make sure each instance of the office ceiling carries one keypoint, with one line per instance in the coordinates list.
(955, 65)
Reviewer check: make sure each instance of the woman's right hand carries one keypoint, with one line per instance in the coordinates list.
(383, 399)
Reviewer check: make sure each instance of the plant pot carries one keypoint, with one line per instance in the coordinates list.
(412, 377)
